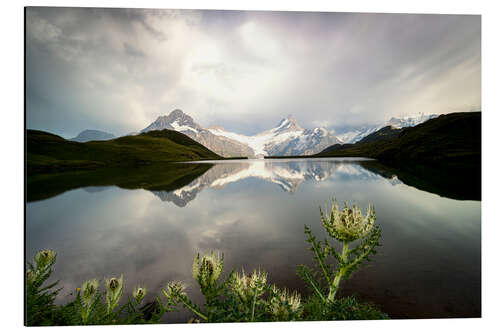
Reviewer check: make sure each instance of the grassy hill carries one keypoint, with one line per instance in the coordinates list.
(47, 152)
(385, 133)
(452, 140)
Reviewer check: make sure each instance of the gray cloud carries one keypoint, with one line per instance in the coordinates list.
(118, 69)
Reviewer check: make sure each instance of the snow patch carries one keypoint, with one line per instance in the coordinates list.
(180, 128)
(258, 142)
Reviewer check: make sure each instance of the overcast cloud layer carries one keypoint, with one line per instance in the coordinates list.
(118, 70)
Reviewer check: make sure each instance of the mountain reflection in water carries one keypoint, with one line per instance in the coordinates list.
(287, 174)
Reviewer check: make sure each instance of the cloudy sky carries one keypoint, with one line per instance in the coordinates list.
(118, 70)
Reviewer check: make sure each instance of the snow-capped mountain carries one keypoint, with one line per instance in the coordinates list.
(176, 120)
(181, 122)
(410, 121)
(287, 138)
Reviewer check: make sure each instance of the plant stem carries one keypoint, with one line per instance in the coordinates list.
(201, 315)
(253, 304)
(321, 263)
(336, 282)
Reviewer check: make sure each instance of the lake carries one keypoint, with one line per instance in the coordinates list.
(254, 211)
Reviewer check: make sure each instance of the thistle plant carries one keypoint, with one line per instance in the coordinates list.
(114, 291)
(175, 293)
(40, 298)
(88, 296)
(249, 288)
(284, 304)
(207, 269)
(345, 225)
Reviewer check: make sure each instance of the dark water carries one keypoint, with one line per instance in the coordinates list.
(429, 264)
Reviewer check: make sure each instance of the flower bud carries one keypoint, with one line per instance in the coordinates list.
(114, 290)
(246, 287)
(114, 286)
(208, 269)
(174, 289)
(283, 304)
(139, 293)
(45, 258)
(30, 275)
(89, 288)
(348, 224)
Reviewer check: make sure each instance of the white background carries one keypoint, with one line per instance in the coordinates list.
(12, 159)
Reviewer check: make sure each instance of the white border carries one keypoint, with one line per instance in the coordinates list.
(12, 200)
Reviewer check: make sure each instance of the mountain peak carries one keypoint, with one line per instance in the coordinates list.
(177, 113)
(175, 120)
(288, 124)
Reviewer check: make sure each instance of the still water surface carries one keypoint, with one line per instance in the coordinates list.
(254, 211)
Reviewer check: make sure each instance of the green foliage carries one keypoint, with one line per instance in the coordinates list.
(346, 226)
(240, 297)
(88, 307)
(40, 299)
(347, 308)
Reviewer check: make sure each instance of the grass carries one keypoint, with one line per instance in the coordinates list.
(47, 152)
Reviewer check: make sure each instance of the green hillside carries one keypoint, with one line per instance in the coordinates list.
(452, 140)
(47, 152)
(385, 133)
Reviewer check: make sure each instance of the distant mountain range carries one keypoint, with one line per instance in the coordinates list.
(358, 134)
(92, 135)
(287, 138)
